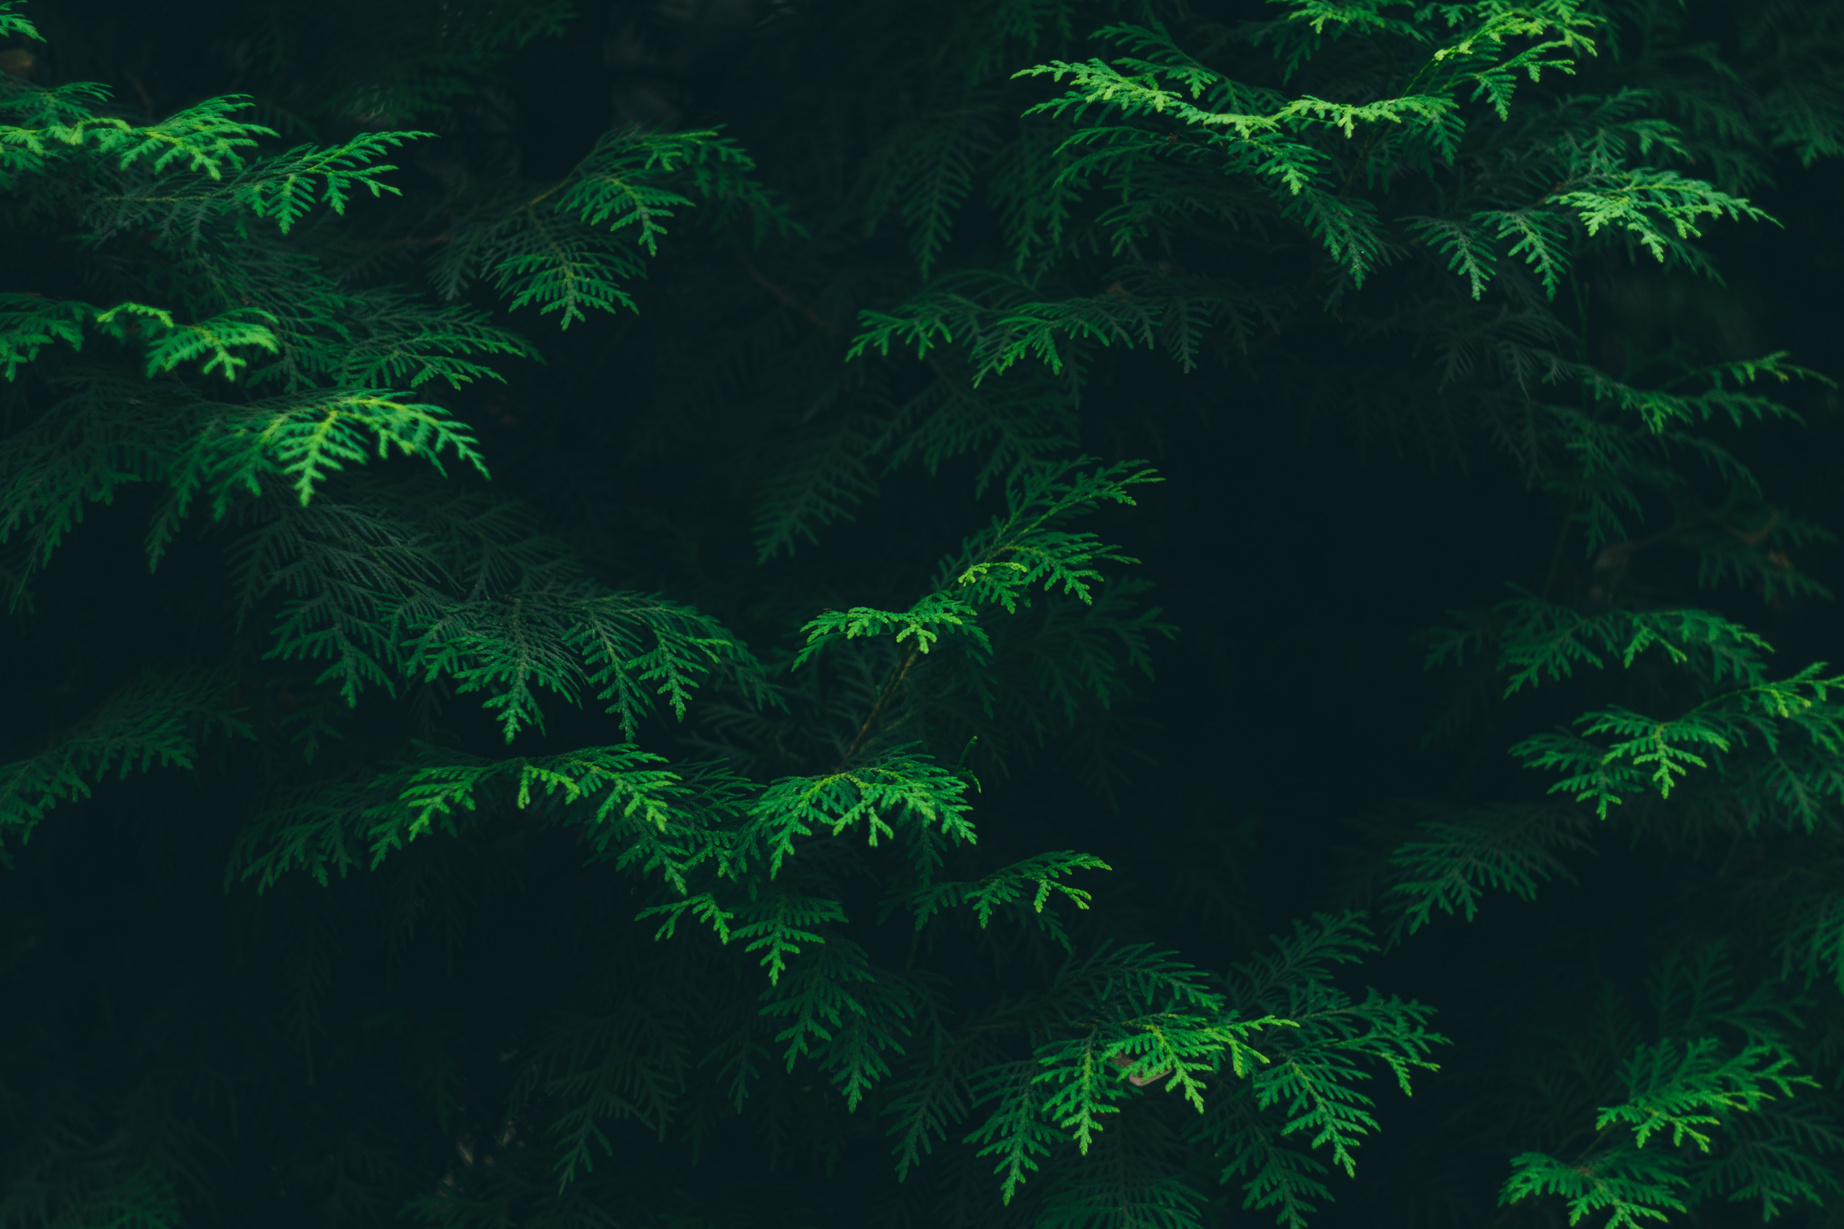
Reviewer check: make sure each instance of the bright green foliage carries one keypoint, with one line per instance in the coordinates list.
(33, 322)
(999, 317)
(1155, 1024)
(563, 248)
(1027, 547)
(1630, 1188)
(408, 802)
(927, 621)
(306, 440)
(1660, 752)
(1681, 1088)
(100, 436)
(1001, 565)
(1036, 878)
(429, 571)
(1714, 1084)
(1307, 1093)
(895, 785)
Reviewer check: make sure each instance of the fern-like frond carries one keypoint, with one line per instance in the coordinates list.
(898, 788)
(1023, 888)
(155, 720)
(1632, 1189)
(1455, 857)
(577, 641)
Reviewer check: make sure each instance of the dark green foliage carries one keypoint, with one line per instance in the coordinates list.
(691, 754)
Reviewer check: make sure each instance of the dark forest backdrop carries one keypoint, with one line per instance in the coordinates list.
(776, 612)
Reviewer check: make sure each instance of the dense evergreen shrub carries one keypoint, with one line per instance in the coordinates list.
(590, 641)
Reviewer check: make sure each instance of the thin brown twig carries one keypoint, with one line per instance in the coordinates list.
(787, 300)
(884, 698)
